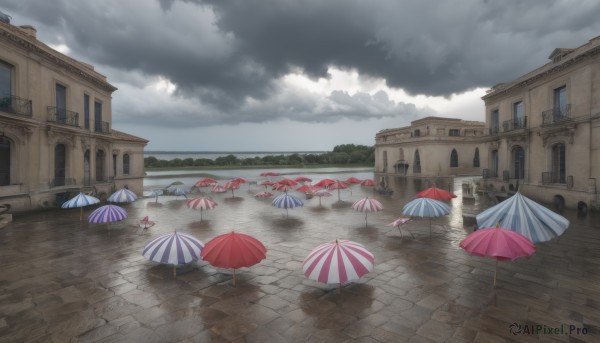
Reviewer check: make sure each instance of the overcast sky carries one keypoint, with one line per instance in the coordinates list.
(271, 75)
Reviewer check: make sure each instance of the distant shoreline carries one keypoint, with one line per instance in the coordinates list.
(311, 166)
(211, 152)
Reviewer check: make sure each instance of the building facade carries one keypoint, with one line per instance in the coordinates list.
(545, 130)
(431, 147)
(56, 135)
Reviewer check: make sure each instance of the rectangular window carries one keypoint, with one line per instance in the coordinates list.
(454, 132)
(5, 80)
(494, 122)
(86, 111)
(97, 116)
(560, 101)
(417, 133)
(61, 104)
(518, 114)
(126, 164)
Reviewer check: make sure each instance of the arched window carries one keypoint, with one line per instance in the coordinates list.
(453, 159)
(519, 162)
(100, 165)
(558, 163)
(4, 161)
(494, 163)
(417, 163)
(60, 164)
(476, 158)
(126, 164)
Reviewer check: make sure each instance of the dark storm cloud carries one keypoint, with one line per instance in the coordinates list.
(227, 57)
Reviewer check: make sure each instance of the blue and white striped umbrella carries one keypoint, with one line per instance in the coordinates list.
(287, 201)
(122, 195)
(154, 193)
(178, 191)
(107, 214)
(173, 248)
(525, 216)
(80, 200)
(426, 208)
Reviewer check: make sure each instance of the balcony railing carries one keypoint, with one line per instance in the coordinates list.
(62, 181)
(550, 177)
(556, 115)
(15, 105)
(102, 127)
(63, 116)
(514, 124)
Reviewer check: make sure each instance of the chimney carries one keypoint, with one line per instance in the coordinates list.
(29, 30)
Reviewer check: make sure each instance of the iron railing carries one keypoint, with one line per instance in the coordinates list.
(15, 105)
(62, 181)
(62, 116)
(550, 177)
(102, 127)
(556, 115)
(514, 124)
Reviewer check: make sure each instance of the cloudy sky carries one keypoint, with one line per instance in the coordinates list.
(293, 75)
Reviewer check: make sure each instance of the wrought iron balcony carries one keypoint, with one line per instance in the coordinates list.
(514, 124)
(63, 116)
(15, 105)
(550, 177)
(102, 127)
(556, 115)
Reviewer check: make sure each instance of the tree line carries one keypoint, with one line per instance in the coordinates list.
(341, 154)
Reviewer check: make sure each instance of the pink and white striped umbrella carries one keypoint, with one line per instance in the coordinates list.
(232, 185)
(338, 261)
(367, 205)
(201, 204)
(264, 195)
(218, 189)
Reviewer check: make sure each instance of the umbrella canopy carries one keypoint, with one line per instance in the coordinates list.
(435, 193)
(322, 193)
(178, 191)
(306, 189)
(232, 185)
(234, 250)
(146, 223)
(525, 216)
(426, 208)
(367, 205)
(173, 248)
(497, 243)
(287, 201)
(324, 183)
(399, 222)
(107, 214)
(302, 179)
(287, 182)
(218, 189)
(176, 183)
(154, 193)
(122, 195)
(240, 180)
(201, 204)
(337, 185)
(353, 180)
(269, 174)
(368, 183)
(80, 200)
(338, 261)
(264, 195)
(206, 180)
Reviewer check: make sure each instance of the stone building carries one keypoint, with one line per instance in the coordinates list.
(56, 135)
(545, 130)
(431, 147)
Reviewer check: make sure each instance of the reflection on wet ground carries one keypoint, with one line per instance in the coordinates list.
(65, 280)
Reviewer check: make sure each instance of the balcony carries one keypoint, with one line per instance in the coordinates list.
(102, 127)
(63, 116)
(556, 115)
(550, 177)
(514, 124)
(15, 105)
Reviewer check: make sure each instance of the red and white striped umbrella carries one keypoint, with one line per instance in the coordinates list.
(368, 183)
(338, 261)
(218, 189)
(201, 204)
(232, 185)
(367, 205)
(264, 195)
(337, 184)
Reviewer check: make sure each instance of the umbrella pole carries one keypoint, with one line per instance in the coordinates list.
(81, 213)
(287, 213)
(429, 227)
(495, 270)
(365, 220)
(174, 271)
(339, 195)
(200, 213)
(319, 201)
(233, 277)
(340, 288)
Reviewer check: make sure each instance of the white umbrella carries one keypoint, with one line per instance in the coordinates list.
(525, 216)
(173, 248)
(367, 205)
(122, 195)
(80, 200)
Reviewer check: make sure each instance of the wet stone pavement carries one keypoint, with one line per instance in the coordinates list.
(63, 280)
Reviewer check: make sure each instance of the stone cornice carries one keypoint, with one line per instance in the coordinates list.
(542, 74)
(15, 36)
